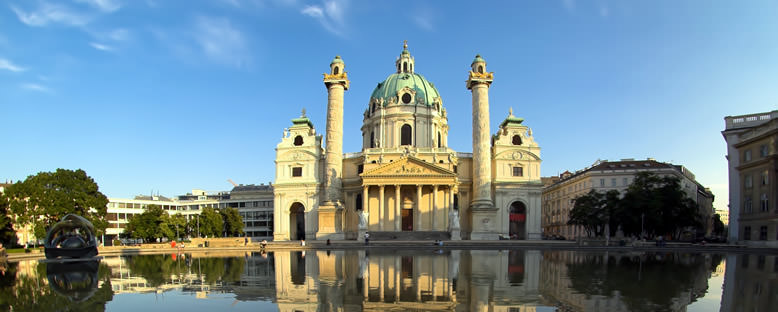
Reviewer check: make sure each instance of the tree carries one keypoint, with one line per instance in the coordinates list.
(718, 226)
(233, 221)
(585, 212)
(45, 198)
(211, 223)
(173, 227)
(147, 225)
(7, 233)
(658, 205)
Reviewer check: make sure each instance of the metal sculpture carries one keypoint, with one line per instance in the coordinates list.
(71, 238)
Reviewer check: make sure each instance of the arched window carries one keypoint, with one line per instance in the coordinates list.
(481, 69)
(405, 67)
(372, 139)
(298, 140)
(335, 70)
(516, 140)
(439, 143)
(405, 135)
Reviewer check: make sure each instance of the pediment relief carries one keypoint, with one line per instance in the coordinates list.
(297, 155)
(516, 154)
(409, 166)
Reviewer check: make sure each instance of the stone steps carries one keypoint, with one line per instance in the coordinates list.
(409, 236)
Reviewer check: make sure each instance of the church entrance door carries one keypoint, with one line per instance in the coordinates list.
(297, 222)
(407, 219)
(518, 217)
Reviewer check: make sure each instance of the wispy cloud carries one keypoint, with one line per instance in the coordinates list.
(50, 13)
(8, 65)
(100, 47)
(330, 15)
(221, 42)
(569, 5)
(103, 5)
(35, 87)
(424, 17)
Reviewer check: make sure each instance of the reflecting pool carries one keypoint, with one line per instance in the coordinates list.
(417, 280)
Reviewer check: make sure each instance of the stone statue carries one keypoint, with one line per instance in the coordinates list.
(453, 217)
(363, 220)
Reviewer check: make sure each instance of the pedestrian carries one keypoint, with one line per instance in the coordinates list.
(367, 238)
(328, 242)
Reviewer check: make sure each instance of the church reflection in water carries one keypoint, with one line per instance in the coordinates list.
(450, 280)
(419, 279)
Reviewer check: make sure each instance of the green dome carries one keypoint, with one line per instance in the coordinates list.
(337, 60)
(398, 81)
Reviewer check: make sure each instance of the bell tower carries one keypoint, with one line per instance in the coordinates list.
(331, 208)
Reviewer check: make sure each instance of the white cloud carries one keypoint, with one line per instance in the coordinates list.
(221, 42)
(100, 47)
(8, 65)
(50, 13)
(330, 15)
(103, 5)
(35, 87)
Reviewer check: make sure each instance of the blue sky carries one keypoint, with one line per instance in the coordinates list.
(167, 96)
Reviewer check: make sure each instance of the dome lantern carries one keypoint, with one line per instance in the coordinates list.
(404, 63)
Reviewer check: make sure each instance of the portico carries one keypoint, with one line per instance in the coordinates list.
(408, 195)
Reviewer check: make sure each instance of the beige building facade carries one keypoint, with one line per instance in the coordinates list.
(752, 154)
(406, 182)
(603, 176)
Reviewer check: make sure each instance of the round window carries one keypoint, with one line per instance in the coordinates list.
(406, 98)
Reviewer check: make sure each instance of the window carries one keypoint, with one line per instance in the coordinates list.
(372, 139)
(762, 233)
(517, 140)
(624, 181)
(439, 143)
(455, 169)
(765, 178)
(613, 181)
(298, 140)
(405, 135)
(406, 98)
(764, 203)
(747, 233)
(749, 181)
(481, 69)
(763, 151)
(360, 168)
(747, 205)
(747, 155)
(297, 171)
(518, 171)
(602, 182)
(335, 70)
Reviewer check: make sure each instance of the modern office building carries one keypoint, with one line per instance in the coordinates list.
(254, 203)
(603, 176)
(406, 182)
(752, 155)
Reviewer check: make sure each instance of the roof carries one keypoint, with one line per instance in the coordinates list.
(252, 187)
(619, 165)
(389, 88)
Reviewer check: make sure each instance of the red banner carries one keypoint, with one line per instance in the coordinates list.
(519, 217)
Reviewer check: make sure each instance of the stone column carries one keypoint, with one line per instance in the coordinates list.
(381, 207)
(482, 207)
(434, 207)
(397, 212)
(417, 218)
(330, 211)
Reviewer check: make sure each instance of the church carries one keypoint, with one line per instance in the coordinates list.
(406, 183)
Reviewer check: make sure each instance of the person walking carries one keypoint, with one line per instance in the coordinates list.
(367, 238)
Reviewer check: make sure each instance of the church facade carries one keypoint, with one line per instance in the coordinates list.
(406, 183)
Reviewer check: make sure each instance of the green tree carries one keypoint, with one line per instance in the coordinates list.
(594, 210)
(147, 225)
(233, 221)
(718, 226)
(211, 223)
(659, 206)
(45, 198)
(7, 233)
(173, 227)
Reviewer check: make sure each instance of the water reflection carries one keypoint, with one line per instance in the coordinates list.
(378, 280)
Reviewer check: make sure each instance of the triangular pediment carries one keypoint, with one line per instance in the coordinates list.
(409, 166)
